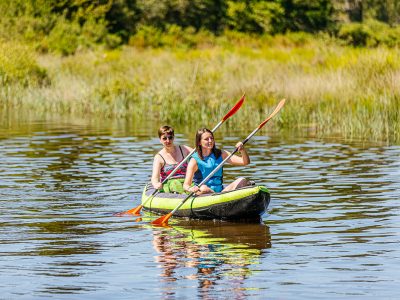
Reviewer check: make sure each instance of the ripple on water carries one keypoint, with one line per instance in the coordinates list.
(331, 230)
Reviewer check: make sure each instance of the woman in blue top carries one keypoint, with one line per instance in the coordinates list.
(206, 159)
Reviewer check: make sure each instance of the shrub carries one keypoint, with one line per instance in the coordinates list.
(18, 65)
(371, 33)
(355, 34)
(63, 38)
(147, 36)
(67, 37)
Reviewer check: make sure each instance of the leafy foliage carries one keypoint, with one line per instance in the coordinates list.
(18, 66)
(371, 33)
(65, 26)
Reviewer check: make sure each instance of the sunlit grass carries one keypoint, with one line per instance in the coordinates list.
(329, 89)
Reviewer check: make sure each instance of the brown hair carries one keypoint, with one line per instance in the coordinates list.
(165, 130)
(215, 150)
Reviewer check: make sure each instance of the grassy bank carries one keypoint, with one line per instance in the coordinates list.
(330, 89)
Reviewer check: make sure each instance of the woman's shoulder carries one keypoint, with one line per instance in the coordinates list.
(186, 148)
(160, 152)
(159, 155)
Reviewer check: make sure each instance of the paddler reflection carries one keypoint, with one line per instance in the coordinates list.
(213, 253)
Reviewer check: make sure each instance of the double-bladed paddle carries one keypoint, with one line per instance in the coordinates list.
(136, 211)
(163, 220)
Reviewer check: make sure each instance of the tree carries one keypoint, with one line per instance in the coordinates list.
(307, 15)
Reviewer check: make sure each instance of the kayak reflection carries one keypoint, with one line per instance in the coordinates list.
(213, 253)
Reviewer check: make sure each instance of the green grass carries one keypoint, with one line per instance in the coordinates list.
(330, 89)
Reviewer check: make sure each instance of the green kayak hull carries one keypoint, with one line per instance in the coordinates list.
(244, 203)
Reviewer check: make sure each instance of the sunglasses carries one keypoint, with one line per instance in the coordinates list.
(168, 137)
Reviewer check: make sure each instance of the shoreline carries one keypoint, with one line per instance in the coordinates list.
(329, 88)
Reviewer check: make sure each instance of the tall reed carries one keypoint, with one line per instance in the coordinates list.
(330, 89)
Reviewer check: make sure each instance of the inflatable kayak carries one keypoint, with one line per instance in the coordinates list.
(244, 203)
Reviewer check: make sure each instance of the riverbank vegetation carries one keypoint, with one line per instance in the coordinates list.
(338, 78)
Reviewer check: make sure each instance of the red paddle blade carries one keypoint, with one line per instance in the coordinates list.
(277, 109)
(234, 109)
(162, 221)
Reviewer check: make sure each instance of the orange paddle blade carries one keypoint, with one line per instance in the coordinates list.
(134, 211)
(277, 109)
(162, 221)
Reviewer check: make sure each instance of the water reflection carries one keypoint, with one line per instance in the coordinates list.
(333, 218)
(216, 255)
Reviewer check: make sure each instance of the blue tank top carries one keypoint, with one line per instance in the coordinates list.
(205, 167)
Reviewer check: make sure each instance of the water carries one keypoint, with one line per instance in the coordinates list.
(331, 231)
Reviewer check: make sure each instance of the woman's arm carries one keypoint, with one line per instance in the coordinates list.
(236, 160)
(191, 169)
(155, 176)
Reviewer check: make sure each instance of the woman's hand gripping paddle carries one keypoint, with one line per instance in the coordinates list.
(163, 220)
(136, 210)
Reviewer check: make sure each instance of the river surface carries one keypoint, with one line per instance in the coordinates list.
(332, 230)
